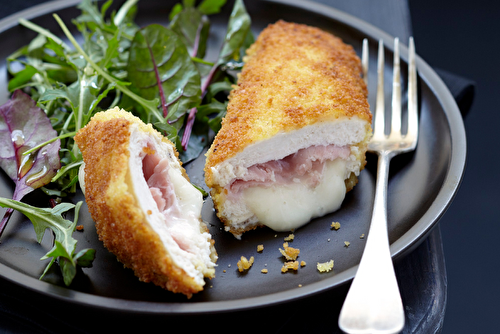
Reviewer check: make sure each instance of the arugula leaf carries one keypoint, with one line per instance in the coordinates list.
(22, 127)
(64, 244)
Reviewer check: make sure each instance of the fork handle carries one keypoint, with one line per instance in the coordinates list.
(373, 303)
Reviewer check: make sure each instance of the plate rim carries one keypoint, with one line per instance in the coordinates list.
(399, 248)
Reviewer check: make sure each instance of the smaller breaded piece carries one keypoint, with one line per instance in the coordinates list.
(145, 209)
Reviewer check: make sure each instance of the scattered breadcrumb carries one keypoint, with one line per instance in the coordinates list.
(347, 243)
(290, 265)
(335, 225)
(289, 253)
(264, 271)
(260, 248)
(290, 237)
(302, 263)
(300, 285)
(244, 264)
(79, 228)
(362, 236)
(325, 266)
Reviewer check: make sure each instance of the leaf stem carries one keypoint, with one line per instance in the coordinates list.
(158, 81)
(44, 32)
(192, 113)
(122, 12)
(39, 146)
(5, 219)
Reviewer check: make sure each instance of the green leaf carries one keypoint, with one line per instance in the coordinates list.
(21, 78)
(85, 257)
(160, 67)
(206, 114)
(193, 29)
(170, 130)
(64, 244)
(175, 10)
(209, 7)
(236, 34)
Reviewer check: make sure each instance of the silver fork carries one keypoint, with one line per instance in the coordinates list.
(373, 303)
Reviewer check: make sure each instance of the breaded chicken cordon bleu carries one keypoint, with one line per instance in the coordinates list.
(294, 138)
(145, 209)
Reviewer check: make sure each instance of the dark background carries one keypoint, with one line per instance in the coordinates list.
(461, 37)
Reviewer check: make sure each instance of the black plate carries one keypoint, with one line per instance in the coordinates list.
(422, 185)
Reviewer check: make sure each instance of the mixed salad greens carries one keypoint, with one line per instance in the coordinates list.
(158, 72)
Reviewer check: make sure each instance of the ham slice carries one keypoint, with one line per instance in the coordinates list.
(305, 166)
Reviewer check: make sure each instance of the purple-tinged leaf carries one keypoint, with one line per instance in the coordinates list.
(23, 126)
(160, 67)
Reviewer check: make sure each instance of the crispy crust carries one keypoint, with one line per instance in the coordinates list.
(294, 76)
(120, 222)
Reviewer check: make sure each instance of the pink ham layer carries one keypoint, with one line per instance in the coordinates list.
(306, 165)
(155, 171)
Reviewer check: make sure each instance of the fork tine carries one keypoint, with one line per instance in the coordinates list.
(365, 59)
(379, 126)
(396, 93)
(412, 93)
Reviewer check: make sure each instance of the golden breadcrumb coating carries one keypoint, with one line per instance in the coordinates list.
(294, 75)
(120, 222)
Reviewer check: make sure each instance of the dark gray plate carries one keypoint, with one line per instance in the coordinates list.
(422, 185)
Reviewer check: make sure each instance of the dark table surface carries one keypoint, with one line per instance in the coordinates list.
(451, 36)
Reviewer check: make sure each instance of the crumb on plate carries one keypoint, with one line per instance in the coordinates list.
(290, 265)
(325, 266)
(289, 253)
(244, 264)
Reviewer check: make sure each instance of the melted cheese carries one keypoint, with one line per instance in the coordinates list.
(190, 199)
(289, 206)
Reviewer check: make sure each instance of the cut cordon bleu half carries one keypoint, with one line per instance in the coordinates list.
(145, 209)
(294, 138)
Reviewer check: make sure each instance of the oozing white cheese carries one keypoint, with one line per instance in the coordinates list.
(289, 206)
(190, 200)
